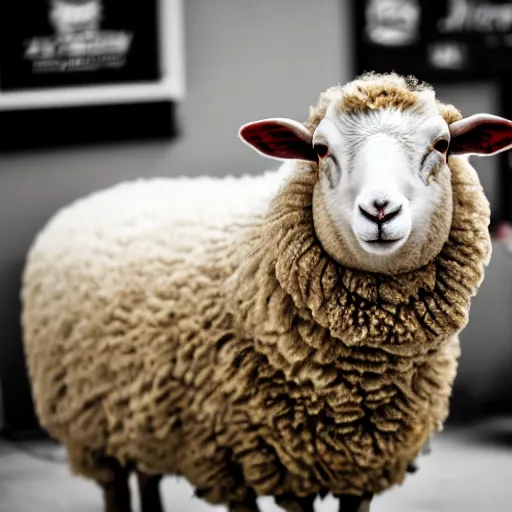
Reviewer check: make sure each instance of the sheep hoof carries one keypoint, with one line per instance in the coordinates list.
(292, 503)
(349, 503)
(248, 505)
(117, 492)
(412, 468)
(149, 491)
(242, 507)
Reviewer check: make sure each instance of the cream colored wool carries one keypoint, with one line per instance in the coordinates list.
(198, 327)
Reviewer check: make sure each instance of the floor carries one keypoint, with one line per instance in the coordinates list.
(469, 470)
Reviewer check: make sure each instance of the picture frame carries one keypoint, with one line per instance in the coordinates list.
(133, 97)
(504, 179)
(436, 41)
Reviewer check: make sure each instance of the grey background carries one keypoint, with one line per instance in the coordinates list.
(244, 60)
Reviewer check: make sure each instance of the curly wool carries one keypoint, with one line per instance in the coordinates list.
(198, 327)
(401, 314)
(374, 356)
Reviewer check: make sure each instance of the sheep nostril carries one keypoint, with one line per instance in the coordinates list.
(368, 215)
(380, 205)
(391, 215)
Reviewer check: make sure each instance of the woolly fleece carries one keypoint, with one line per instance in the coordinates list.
(198, 327)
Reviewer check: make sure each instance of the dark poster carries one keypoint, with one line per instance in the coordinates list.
(505, 158)
(436, 40)
(56, 43)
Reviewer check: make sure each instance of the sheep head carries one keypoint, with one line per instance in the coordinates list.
(381, 146)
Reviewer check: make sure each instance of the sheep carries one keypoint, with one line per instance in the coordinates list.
(293, 334)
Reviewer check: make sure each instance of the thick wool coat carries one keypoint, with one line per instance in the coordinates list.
(198, 327)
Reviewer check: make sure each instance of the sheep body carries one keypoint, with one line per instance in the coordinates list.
(159, 248)
(194, 327)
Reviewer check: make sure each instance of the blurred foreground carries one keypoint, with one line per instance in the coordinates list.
(468, 470)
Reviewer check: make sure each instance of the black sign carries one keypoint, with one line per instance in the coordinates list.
(55, 43)
(436, 40)
(504, 181)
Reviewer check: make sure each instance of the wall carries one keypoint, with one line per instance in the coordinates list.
(245, 60)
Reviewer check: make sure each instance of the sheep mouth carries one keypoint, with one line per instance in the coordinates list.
(382, 246)
(382, 241)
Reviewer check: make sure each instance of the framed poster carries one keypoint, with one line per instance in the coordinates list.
(436, 40)
(117, 63)
(58, 43)
(505, 159)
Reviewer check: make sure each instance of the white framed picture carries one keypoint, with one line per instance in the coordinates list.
(75, 53)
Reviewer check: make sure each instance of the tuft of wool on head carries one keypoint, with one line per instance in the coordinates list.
(373, 91)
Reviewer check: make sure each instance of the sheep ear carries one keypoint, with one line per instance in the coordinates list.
(282, 139)
(481, 134)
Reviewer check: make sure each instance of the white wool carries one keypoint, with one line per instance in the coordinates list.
(158, 205)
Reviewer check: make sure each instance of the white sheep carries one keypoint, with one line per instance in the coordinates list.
(292, 334)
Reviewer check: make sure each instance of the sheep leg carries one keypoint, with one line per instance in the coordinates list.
(116, 492)
(249, 504)
(350, 503)
(292, 503)
(149, 490)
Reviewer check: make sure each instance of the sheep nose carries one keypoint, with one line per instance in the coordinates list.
(380, 206)
(381, 214)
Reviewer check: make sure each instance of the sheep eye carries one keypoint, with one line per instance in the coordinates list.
(321, 150)
(441, 145)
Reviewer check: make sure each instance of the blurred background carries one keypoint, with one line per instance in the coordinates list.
(169, 102)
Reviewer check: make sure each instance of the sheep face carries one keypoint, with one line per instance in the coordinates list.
(383, 200)
(383, 177)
